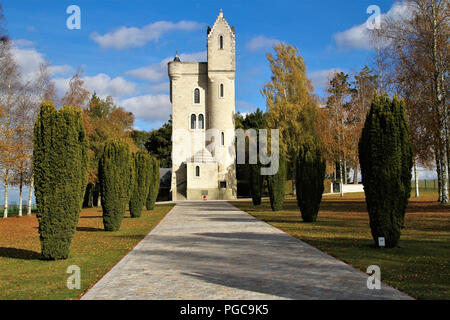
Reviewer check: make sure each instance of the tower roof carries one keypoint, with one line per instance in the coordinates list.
(220, 19)
(177, 58)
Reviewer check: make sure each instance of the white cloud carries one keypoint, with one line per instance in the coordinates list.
(102, 84)
(157, 72)
(321, 78)
(30, 60)
(149, 108)
(358, 37)
(132, 37)
(261, 43)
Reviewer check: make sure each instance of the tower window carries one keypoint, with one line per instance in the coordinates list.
(193, 121)
(197, 171)
(197, 95)
(201, 121)
(221, 90)
(221, 42)
(223, 184)
(222, 138)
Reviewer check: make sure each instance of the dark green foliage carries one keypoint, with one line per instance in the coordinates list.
(253, 121)
(277, 186)
(60, 173)
(159, 144)
(154, 185)
(116, 176)
(386, 160)
(256, 183)
(310, 174)
(143, 173)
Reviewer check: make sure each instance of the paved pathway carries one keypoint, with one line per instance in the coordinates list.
(211, 250)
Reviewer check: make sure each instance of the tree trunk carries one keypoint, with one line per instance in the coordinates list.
(438, 171)
(416, 179)
(20, 198)
(345, 172)
(441, 108)
(341, 188)
(30, 196)
(5, 209)
(355, 175)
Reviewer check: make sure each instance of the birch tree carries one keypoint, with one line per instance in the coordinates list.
(417, 43)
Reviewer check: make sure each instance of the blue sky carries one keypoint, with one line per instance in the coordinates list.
(123, 46)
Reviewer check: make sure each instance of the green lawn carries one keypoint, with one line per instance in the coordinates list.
(420, 266)
(24, 276)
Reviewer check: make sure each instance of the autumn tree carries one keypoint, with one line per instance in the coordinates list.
(417, 51)
(291, 107)
(10, 88)
(77, 95)
(337, 126)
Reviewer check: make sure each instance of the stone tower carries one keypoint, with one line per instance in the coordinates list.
(203, 106)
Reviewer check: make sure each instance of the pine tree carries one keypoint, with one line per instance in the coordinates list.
(143, 174)
(60, 175)
(277, 186)
(154, 185)
(386, 160)
(116, 176)
(310, 175)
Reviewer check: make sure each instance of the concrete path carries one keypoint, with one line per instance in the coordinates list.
(211, 250)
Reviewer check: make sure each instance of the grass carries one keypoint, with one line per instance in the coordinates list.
(24, 276)
(419, 266)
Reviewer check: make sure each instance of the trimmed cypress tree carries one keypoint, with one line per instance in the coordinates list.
(143, 173)
(116, 177)
(60, 175)
(256, 183)
(386, 160)
(154, 185)
(310, 174)
(277, 186)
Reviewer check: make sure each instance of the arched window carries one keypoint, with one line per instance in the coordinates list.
(197, 171)
(193, 121)
(201, 121)
(197, 95)
(222, 139)
(221, 42)
(221, 90)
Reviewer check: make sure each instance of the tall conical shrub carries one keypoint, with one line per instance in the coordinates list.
(277, 186)
(143, 173)
(386, 160)
(154, 185)
(60, 176)
(116, 176)
(256, 183)
(310, 174)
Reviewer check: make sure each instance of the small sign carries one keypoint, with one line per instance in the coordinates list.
(381, 242)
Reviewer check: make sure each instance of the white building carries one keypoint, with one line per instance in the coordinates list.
(203, 106)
